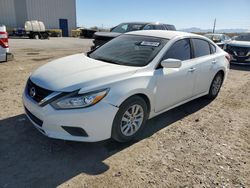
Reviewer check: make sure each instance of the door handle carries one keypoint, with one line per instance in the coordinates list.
(192, 69)
(214, 62)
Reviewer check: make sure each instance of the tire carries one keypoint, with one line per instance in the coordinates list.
(45, 35)
(126, 128)
(215, 86)
(35, 36)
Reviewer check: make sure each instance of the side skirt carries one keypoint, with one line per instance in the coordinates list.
(153, 114)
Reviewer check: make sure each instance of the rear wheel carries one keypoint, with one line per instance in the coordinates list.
(45, 35)
(130, 119)
(35, 36)
(215, 86)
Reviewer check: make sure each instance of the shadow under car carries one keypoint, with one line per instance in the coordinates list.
(29, 159)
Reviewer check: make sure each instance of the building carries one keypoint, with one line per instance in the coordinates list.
(56, 14)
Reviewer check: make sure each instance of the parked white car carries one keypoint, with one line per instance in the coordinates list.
(112, 91)
(4, 46)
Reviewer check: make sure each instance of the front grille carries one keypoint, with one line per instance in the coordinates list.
(240, 51)
(34, 118)
(39, 94)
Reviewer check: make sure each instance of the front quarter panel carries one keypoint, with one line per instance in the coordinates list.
(140, 83)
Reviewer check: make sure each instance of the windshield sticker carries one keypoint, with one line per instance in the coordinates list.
(148, 43)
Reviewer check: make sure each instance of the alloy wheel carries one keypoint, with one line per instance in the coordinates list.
(132, 120)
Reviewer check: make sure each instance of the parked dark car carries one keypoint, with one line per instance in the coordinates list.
(239, 49)
(220, 39)
(87, 33)
(101, 38)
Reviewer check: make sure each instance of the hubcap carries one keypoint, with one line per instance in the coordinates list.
(216, 85)
(132, 120)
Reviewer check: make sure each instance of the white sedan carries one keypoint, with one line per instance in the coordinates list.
(112, 91)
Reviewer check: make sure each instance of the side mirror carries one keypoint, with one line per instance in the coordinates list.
(171, 63)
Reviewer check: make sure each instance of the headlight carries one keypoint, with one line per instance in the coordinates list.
(75, 100)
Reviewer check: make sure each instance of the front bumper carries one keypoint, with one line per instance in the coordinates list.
(240, 60)
(239, 56)
(3, 54)
(9, 56)
(96, 120)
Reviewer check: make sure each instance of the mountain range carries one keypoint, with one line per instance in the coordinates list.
(198, 30)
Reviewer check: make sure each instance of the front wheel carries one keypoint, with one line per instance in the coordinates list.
(215, 86)
(130, 119)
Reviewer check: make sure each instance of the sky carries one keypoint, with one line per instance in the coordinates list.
(230, 14)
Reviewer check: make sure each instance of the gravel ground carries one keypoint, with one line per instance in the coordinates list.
(200, 144)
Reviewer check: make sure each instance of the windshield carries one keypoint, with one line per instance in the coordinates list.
(130, 50)
(126, 27)
(244, 37)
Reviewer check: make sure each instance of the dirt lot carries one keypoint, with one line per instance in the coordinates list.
(199, 144)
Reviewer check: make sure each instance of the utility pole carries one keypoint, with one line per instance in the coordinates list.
(214, 25)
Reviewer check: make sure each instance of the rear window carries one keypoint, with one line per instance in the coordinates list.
(126, 27)
(159, 27)
(201, 47)
(170, 27)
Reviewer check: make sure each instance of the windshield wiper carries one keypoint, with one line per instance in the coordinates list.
(116, 62)
(106, 60)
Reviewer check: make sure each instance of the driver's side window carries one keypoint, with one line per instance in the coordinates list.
(179, 50)
(149, 27)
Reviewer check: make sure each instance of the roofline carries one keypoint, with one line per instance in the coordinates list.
(146, 36)
(173, 35)
(145, 23)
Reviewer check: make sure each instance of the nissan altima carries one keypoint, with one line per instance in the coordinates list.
(111, 92)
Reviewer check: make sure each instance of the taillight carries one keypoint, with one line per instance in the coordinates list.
(4, 39)
(228, 57)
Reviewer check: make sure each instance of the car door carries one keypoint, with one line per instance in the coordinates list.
(205, 60)
(175, 85)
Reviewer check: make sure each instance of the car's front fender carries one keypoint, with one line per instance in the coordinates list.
(122, 90)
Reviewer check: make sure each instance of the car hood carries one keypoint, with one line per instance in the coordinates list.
(107, 34)
(239, 43)
(78, 71)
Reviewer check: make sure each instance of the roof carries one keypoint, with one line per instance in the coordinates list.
(161, 33)
(144, 23)
(135, 23)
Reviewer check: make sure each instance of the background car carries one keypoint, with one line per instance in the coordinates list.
(220, 39)
(101, 38)
(4, 45)
(112, 91)
(239, 49)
